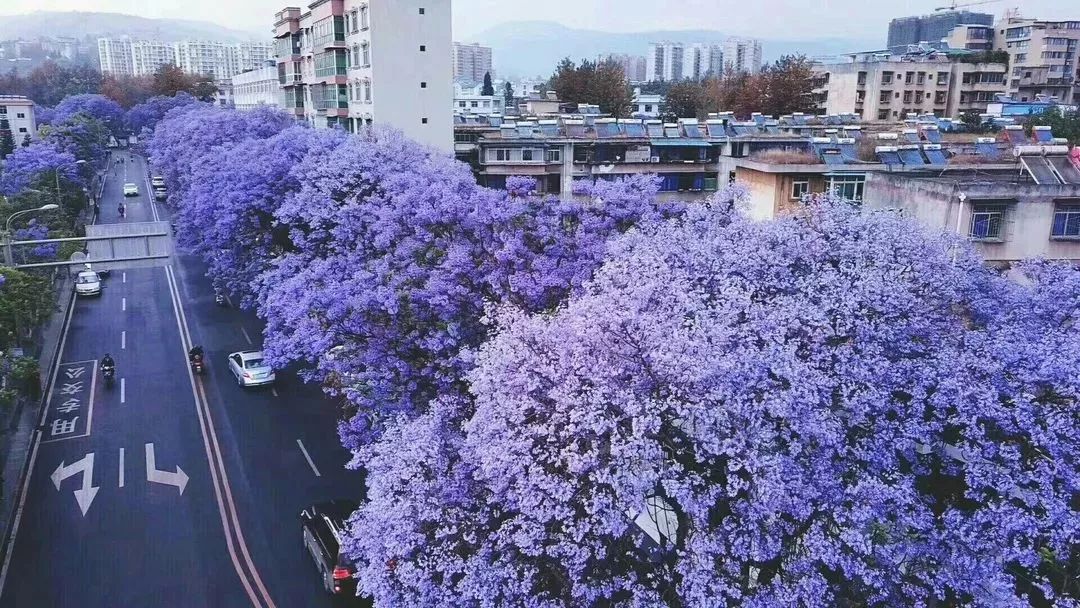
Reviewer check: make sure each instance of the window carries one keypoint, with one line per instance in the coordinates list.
(461, 104)
(848, 187)
(986, 221)
(20, 115)
(554, 155)
(347, 22)
(365, 54)
(939, 97)
(22, 129)
(1066, 221)
(423, 48)
(526, 154)
(907, 96)
(909, 77)
(364, 17)
(423, 121)
(886, 77)
(356, 56)
(921, 78)
(884, 97)
(355, 22)
(502, 154)
(423, 85)
(421, 10)
(799, 189)
(475, 104)
(367, 91)
(883, 115)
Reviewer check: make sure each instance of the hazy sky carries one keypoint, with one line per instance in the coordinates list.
(776, 19)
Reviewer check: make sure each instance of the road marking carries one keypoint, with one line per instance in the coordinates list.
(230, 522)
(123, 386)
(123, 339)
(84, 495)
(123, 277)
(179, 479)
(274, 391)
(123, 303)
(69, 403)
(229, 300)
(246, 336)
(308, 457)
(121, 467)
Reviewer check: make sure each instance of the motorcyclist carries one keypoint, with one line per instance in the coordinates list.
(196, 352)
(107, 363)
(120, 209)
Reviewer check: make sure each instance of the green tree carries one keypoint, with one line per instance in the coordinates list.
(571, 81)
(1062, 124)
(7, 142)
(25, 301)
(489, 89)
(508, 95)
(788, 86)
(26, 140)
(609, 89)
(685, 99)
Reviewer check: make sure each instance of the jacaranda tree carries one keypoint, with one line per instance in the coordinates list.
(25, 167)
(99, 107)
(146, 115)
(833, 408)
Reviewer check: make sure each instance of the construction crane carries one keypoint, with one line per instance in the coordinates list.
(964, 5)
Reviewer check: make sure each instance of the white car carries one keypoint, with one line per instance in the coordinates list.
(88, 283)
(157, 181)
(250, 368)
(131, 189)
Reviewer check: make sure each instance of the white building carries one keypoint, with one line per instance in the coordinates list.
(353, 63)
(646, 104)
(742, 54)
(702, 60)
(114, 55)
(259, 87)
(468, 100)
(634, 66)
(148, 56)
(664, 62)
(471, 62)
(19, 112)
(252, 55)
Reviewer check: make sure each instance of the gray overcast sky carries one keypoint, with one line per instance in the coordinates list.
(776, 19)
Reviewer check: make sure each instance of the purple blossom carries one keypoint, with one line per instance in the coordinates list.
(146, 115)
(25, 166)
(98, 107)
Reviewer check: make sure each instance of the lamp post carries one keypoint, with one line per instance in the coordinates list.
(6, 235)
(56, 174)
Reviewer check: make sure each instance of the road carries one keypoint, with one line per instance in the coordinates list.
(168, 489)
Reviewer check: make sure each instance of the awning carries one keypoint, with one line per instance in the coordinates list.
(680, 143)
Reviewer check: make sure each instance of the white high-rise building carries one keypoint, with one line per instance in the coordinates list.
(742, 55)
(665, 61)
(702, 60)
(471, 62)
(364, 62)
(114, 55)
(147, 56)
(258, 87)
(253, 55)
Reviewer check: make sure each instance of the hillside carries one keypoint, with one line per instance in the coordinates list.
(84, 25)
(533, 48)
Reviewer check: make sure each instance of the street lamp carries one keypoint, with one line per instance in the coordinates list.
(56, 173)
(6, 235)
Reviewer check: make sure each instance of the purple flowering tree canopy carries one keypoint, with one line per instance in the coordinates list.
(825, 409)
(146, 115)
(25, 166)
(98, 107)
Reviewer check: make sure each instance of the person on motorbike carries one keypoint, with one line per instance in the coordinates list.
(107, 363)
(120, 209)
(196, 352)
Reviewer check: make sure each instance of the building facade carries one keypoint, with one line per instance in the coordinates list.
(259, 87)
(931, 28)
(353, 63)
(970, 38)
(148, 56)
(882, 87)
(1044, 57)
(702, 60)
(742, 55)
(471, 62)
(634, 66)
(19, 112)
(664, 62)
(114, 56)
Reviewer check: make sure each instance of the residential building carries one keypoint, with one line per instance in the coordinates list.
(664, 62)
(930, 28)
(633, 66)
(470, 100)
(352, 63)
(114, 56)
(471, 62)
(970, 38)
(883, 87)
(252, 55)
(646, 105)
(703, 60)
(742, 55)
(224, 94)
(148, 56)
(1044, 57)
(258, 87)
(19, 112)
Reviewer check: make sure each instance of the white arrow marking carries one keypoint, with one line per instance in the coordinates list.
(84, 495)
(178, 479)
(74, 372)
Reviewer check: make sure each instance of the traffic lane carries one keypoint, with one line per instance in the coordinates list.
(142, 543)
(259, 432)
(137, 208)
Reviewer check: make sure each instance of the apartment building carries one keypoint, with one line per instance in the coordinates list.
(114, 56)
(258, 87)
(742, 55)
(634, 66)
(664, 62)
(1044, 57)
(906, 31)
(970, 38)
(148, 56)
(352, 63)
(471, 62)
(702, 60)
(19, 112)
(883, 87)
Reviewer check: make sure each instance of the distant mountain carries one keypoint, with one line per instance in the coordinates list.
(533, 48)
(94, 25)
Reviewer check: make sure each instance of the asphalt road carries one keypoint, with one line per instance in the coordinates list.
(224, 531)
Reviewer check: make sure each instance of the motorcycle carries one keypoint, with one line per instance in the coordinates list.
(219, 299)
(121, 210)
(110, 374)
(197, 365)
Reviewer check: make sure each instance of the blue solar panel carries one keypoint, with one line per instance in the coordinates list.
(1043, 135)
(655, 129)
(832, 157)
(672, 131)
(634, 129)
(759, 119)
(849, 153)
(932, 135)
(910, 136)
(889, 157)
(911, 156)
(607, 129)
(988, 149)
(745, 130)
(549, 130)
(692, 129)
(1016, 136)
(936, 157)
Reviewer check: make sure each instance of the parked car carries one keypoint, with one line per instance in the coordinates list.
(160, 194)
(250, 368)
(131, 189)
(157, 181)
(323, 525)
(87, 283)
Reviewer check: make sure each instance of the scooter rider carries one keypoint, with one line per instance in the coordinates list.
(107, 363)
(196, 352)
(120, 209)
